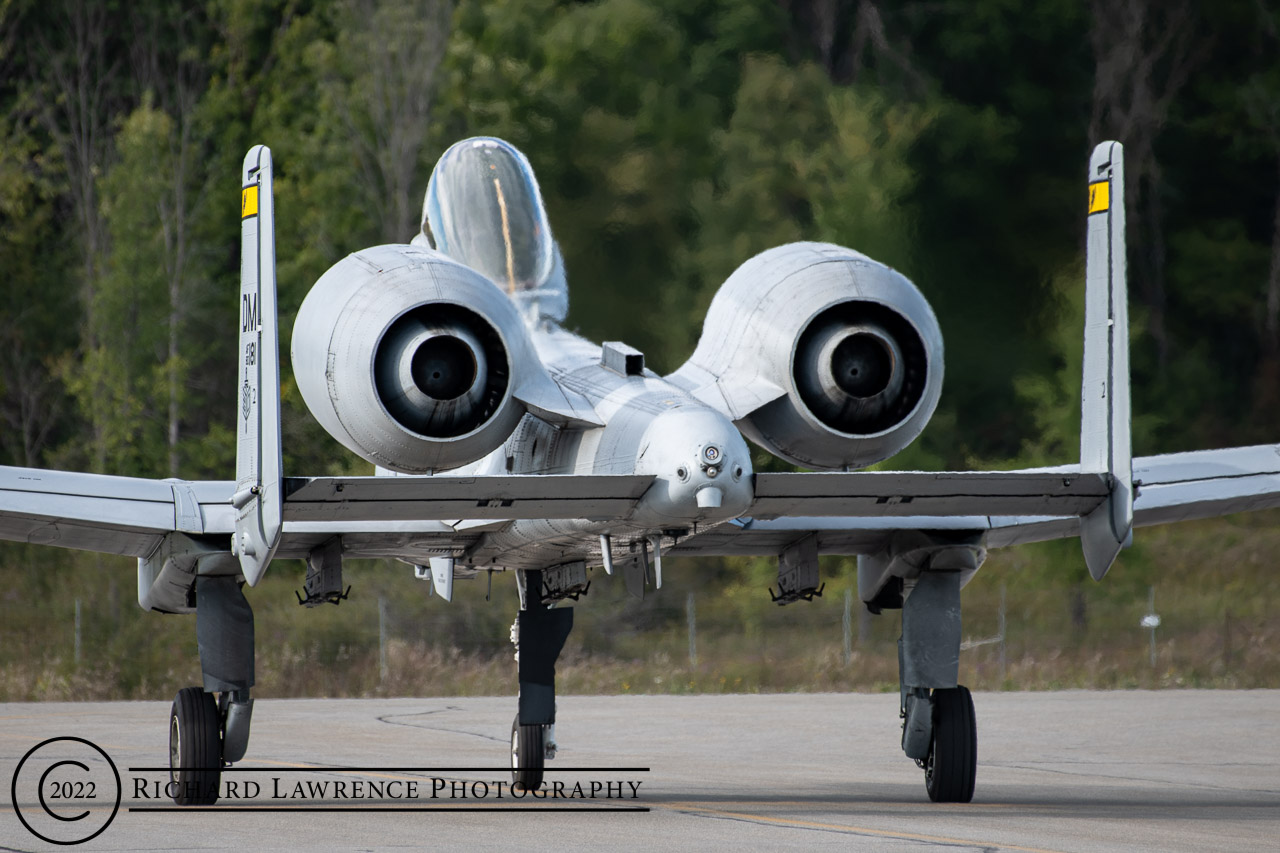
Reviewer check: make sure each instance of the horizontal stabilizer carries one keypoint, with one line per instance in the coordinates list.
(415, 517)
(450, 498)
(872, 494)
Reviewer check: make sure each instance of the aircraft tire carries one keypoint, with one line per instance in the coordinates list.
(528, 755)
(195, 748)
(952, 765)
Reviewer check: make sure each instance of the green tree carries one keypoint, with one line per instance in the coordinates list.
(615, 104)
(121, 382)
(800, 159)
(39, 294)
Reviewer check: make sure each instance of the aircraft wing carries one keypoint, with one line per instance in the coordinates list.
(112, 515)
(1170, 487)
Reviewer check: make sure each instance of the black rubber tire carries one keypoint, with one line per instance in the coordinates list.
(528, 755)
(952, 766)
(195, 748)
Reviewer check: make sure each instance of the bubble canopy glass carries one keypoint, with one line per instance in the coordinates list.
(484, 209)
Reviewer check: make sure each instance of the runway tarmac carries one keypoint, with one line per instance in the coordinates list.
(1067, 771)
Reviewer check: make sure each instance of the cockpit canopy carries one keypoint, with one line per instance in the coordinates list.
(483, 208)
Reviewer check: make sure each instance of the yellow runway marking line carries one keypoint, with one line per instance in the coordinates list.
(117, 747)
(379, 805)
(45, 716)
(851, 829)
(874, 804)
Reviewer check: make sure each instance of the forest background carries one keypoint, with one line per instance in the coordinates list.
(673, 139)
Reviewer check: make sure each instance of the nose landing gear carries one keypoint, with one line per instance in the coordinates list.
(539, 635)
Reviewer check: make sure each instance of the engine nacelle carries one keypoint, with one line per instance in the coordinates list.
(411, 360)
(821, 355)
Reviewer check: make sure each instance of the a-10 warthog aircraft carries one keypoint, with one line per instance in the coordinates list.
(504, 442)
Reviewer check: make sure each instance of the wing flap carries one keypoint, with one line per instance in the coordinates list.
(105, 538)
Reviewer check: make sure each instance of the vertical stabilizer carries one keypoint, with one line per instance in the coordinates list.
(1104, 429)
(259, 476)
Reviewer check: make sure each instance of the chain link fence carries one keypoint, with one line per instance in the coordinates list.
(712, 628)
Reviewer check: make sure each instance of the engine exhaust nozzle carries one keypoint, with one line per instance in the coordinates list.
(850, 375)
(433, 374)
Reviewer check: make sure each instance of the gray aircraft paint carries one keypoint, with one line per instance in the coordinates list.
(259, 456)
(1105, 411)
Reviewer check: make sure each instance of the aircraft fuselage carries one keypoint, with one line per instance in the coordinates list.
(700, 462)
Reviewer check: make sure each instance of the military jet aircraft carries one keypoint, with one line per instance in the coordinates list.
(503, 441)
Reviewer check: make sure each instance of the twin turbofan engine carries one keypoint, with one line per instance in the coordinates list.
(413, 361)
(821, 355)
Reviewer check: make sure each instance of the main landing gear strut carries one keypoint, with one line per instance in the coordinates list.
(205, 734)
(939, 729)
(539, 635)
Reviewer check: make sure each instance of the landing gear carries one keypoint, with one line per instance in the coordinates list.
(539, 635)
(528, 755)
(195, 748)
(939, 728)
(207, 734)
(952, 765)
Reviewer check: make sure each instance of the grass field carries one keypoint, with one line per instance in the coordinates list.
(1216, 587)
